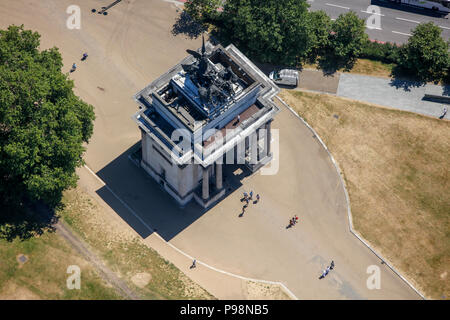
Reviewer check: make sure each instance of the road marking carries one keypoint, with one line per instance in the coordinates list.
(405, 34)
(378, 14)
(335, 5)
(413, 21)
(289, 292)
(445, 27)
(373, 28)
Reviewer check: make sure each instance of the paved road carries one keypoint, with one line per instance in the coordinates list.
(397, 22)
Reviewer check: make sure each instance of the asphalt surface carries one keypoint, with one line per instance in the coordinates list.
(397, 21)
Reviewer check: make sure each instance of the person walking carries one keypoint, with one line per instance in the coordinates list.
(193, 264)
(85, 55)
(74, 67)
(251, 195)
(332, 265)
(257, 198)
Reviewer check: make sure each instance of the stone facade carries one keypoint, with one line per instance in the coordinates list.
(187, 140)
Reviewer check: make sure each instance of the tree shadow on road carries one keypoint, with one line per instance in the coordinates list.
(185, 25)
(402, 79)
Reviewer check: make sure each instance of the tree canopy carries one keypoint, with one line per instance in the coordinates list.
(285, 33)
(274, 31)
(202, 10)
(345, 42)
(426, 53)
(43, 124)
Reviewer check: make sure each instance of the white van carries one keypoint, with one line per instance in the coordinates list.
(286, 77)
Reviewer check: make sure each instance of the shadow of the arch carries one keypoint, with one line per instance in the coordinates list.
(145, 206)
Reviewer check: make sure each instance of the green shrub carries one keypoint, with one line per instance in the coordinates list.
(384, 52)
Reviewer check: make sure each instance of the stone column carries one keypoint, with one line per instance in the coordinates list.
(258, 137)
(253, 148)
(268, 136)
(219, 179)
(205, 184)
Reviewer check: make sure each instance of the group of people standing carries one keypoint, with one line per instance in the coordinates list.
(74, 66)
(293, 221)
(247, 198)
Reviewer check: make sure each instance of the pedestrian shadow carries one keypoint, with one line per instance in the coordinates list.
(145, 206)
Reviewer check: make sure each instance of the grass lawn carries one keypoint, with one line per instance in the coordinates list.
(373, 68)
(44, 274)
(396, 167)
(144, 270)
(366, 67)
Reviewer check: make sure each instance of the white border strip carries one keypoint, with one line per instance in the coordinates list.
(369, 12)
(405, 34)
(349, 211)
(337, 6)
(289, 292)
(407, 20)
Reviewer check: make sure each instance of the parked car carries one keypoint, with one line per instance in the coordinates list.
(286, 77)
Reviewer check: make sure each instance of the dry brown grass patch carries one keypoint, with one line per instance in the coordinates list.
(144, 270)
(365, 67)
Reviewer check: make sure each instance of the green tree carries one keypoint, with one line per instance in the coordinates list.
(426, 53)
(43, 124)
(274, 31)
(202, 11)
(319, 28)
(345, 42)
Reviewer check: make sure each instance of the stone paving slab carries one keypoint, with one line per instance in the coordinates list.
(315, 80)
(399, 94)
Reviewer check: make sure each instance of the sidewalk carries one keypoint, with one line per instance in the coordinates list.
(398, 94)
